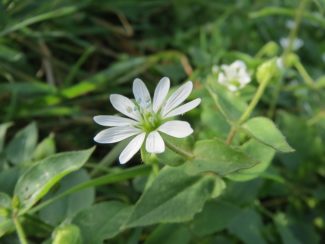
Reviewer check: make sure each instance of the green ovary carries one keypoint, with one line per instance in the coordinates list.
(150, 122)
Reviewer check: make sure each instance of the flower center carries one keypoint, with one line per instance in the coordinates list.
(150, 121)
(235, 82)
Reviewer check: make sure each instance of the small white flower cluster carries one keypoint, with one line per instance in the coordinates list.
(234, 76)
(297, 43)
(147, 118)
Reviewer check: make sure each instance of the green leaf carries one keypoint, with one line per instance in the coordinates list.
(6, 223)
(102, 221)
(215, 217)
(6, 226)
(3, 130)
(169, 234)
(67, 234)
(259, 152)
(45, 148)
(40, 178)
(286, 234)
(173, 197)
(8, 179)
(265, 131)
(21, 147)
(247, 226)
(229, 104)
(215, 156)
(70, 205)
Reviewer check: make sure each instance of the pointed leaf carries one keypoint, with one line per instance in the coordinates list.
(21, 147)
(102, 221)
(40, 178)
(259, 152)
(173, 197)
(265, 131)
(215, 156)
(45, 148)
(70, 205)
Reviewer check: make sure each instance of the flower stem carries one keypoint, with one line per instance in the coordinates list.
(301, 69)
(20, 230)
(180, 151)
(294, 31)
(248, 111)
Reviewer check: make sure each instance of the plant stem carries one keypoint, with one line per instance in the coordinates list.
(20, 230)
(183, 153)
(109, 158)
(302, 71)
(106, 179)
(248, 111)
(294, 30)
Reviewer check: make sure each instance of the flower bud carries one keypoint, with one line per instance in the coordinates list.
(67, 234)
(270, 49)
(267, 70)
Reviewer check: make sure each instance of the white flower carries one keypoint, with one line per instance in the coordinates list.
(279, 62)
(290, 24)
(147, 118)
(297, 43)
(234, 76)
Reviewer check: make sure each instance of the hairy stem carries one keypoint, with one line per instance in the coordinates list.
(248, 111)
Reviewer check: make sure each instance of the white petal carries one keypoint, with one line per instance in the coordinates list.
(116, 134)
(177, 97)
(154, 143)
(184, 108)
(124, 106)
(141, 93)
(112, 120)
(222, 79)
(176, 128)
(160, 94)
(215, 69)
(132, 148)
(238, 64)
(232, 88)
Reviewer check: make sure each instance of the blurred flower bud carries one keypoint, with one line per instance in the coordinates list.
(267, 70)
(67, 234)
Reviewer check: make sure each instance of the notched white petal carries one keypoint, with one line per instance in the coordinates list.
(177, 97)
(141, 93)
(154, 143)
(113, 120)
(160, 94)
(125, 106)
(184, 108)
(132, 148)
(116, 134)
(176, 128)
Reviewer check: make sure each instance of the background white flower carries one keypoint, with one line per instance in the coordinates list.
(147, 118)
(297, 43)
(290, 24)
(234, 76)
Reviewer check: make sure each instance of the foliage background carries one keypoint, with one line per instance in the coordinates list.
(60, 59)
